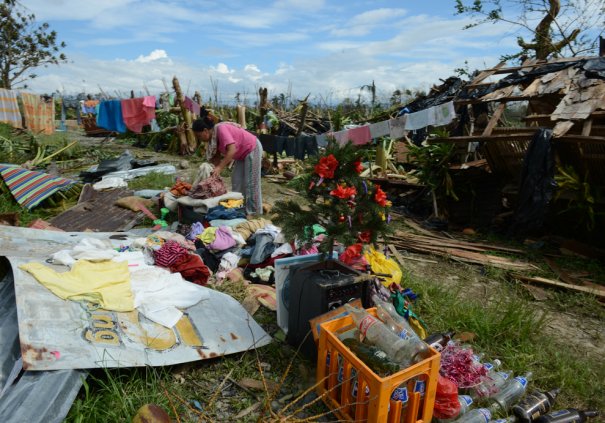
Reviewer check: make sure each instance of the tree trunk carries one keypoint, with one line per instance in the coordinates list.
(191, 141)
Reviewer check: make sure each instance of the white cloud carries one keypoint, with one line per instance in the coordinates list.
(251, 68)
(223, 68)
(153, 56)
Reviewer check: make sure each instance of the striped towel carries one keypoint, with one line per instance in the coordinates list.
(29, 187)
(39, 115)
(9, 108)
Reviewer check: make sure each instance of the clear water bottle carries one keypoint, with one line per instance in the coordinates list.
(465, 404)
(535, 405)
(377, 333)
(418, 350)
(510, 393)
(509, 419)
(478, 415)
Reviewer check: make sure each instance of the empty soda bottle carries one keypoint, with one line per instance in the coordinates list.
(478, 415)
(373, 357)
(493, 382)
(378, 334)
(417, 349)
(534, 405)
(465, 404)
(570, 415)
(510, 393)
(439, 340)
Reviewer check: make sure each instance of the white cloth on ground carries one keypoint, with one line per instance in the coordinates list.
(228, 262)
(110, 183)
(282, 249)
(158, 294)
(91, 249)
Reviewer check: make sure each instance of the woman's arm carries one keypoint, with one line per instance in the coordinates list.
(228, 157)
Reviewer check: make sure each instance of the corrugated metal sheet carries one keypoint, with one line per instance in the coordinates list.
(33, 397)
(99, 214)
(57, 334)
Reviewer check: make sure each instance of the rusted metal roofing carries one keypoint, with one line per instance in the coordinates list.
(98, 213)
(48, 395)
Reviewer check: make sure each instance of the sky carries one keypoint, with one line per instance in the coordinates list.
(328, 49)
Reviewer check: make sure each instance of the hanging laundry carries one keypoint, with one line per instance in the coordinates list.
(138, 112)
(9, 108)
(380, 129)
(397, 127)
(110, 116)
(420, 119)
(360, 135)
(39, 114)
(90, 106)
(305, 145)
(30, 187)
(106, 284)
(192, 106)
(444, 113)
(341, 137)
(322, 140)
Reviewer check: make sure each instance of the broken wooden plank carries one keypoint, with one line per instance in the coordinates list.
(494, 120)
(401, 258)
(598, 292)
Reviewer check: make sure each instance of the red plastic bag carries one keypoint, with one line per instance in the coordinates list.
(446, 399)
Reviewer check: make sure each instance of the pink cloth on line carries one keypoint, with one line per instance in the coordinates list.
(136, 114)
(192, 106)
(149, 101)
(360, 135)
(222, 240)
(243, 140)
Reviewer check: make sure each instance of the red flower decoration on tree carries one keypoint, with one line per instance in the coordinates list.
(357, 166)
(326, 166)
(343, 192)
(380, 197)
(365, 237)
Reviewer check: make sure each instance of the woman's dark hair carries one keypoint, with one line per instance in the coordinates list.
(203, 123)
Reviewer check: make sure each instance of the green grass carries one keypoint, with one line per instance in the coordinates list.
(511, 328)
(152, 180)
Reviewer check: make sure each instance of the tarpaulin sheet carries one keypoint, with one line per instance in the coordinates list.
(58, 334)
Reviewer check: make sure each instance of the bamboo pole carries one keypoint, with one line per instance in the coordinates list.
(191, 141)
(303, 115)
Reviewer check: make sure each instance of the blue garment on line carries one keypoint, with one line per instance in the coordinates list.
(110, 116)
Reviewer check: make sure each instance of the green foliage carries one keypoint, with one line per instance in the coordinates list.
(26, 45)
(357, 212)
(582, 200)
(153, 180)
(433, 164)
(563, 28)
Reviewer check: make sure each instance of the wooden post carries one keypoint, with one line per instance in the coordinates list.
(191, 141)
(241, 115)
(303, 115)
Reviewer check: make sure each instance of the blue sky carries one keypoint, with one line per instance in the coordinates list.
(326, 48)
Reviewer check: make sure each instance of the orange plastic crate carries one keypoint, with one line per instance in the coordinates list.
(355, 393)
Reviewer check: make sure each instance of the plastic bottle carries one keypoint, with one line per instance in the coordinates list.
(478, 415)
(510, 393)
(380, 335)
(465, 404)
(418, 350)
(439, 340)
(535, 405)
(569, 415)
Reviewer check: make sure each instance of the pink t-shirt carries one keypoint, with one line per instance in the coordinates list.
(244, 141)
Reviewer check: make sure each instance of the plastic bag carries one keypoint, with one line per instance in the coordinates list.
(379, 263)
(447, 405)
